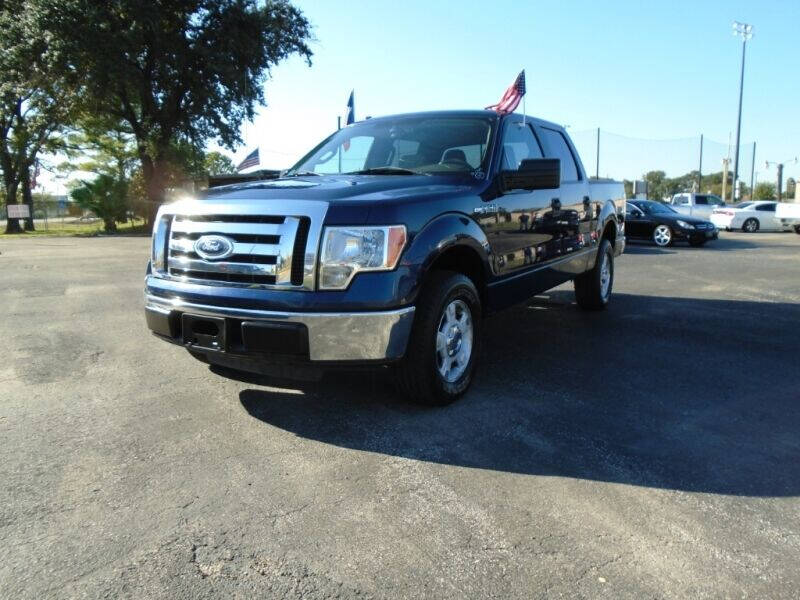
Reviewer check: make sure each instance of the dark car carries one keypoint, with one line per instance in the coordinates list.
(649, 220)
(385, 245)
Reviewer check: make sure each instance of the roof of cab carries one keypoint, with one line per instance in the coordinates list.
(464, 113)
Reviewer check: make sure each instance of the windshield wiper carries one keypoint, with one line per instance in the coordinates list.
(303, 174)
(384, 171)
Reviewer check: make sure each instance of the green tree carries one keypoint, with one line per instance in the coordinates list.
(217, 163)
(99, 146)
(765, 191)
(656, 184)
(34, 103)
(106, 197)
(177, 70)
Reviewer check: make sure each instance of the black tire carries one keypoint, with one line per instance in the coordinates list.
(697, 243)
(797, 229)
(418, 376)
(589, 290)
(751, 225)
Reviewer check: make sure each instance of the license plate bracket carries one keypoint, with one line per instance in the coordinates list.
(206, 333)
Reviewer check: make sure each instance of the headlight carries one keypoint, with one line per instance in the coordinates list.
(158, 257)
(685, 225)
(349, 250)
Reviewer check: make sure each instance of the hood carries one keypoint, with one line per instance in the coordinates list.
(346, 188)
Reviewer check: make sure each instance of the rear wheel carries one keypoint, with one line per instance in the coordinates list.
(750, 226)
(797, 229)
(593, 288)
(662, 235)
(444, 345)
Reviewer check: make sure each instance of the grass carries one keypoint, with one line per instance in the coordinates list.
(71, 228)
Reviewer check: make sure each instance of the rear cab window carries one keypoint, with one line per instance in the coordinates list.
(558, 148)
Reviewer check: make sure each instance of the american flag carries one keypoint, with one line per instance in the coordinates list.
(350, 114)
(511, 97)
(251, 160)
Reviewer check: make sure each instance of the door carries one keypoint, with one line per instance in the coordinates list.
(702, 207)
(574, 217)
(765, 213)
(509, 220)
(682, 204)
(635, 222)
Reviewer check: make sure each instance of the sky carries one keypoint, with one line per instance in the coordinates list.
(638, 70)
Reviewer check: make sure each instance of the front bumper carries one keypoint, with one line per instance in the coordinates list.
(695, 235)
(379, 336)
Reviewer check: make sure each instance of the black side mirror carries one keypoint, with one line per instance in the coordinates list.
(533, 174)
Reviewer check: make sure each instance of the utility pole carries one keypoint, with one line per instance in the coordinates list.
(780, 173)
(725, 162)
(746, 32)
(700, 168)
(752, 172)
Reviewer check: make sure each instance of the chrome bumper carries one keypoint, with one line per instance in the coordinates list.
(360, 336)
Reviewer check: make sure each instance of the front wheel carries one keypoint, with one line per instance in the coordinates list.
(750, 226)
(593, 288)
(445, 341)
(662, 235)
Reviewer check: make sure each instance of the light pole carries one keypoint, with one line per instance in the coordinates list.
(745, 31)
(780, 172)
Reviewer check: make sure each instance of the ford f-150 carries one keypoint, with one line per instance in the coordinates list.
(388, 244)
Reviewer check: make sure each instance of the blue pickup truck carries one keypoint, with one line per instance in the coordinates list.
(387, 244)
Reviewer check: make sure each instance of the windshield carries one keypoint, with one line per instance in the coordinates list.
(404, 145)
(742, 205)
(653, 208)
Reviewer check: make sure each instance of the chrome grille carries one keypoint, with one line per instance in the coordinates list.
(263, 247)
(269, 243)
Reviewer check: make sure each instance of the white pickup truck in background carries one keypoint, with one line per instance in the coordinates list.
(789, 214)
(696, 205)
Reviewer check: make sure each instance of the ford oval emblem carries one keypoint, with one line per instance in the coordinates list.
(213, 247)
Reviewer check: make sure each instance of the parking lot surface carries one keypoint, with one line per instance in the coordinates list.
(652, 450)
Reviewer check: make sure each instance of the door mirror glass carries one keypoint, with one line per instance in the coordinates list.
(533, 174)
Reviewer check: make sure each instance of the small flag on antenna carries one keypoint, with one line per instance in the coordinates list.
(251, 160)
(350, 113)
(510, 100)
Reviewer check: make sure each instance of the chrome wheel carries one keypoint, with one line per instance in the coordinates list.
(662, 235)
(605, 276)
(454, 341)
(751, 226)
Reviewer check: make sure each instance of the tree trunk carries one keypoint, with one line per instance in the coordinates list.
(153, 175)
(27, 198)
(110, 225)
(12, 225)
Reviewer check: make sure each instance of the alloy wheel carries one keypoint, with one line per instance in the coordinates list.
(605, 276)
(662, 235)
(454, 341)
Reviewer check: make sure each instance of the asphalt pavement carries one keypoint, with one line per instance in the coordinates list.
(652, 450)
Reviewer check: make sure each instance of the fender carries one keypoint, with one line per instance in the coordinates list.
(608, 214)
(439, 235)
